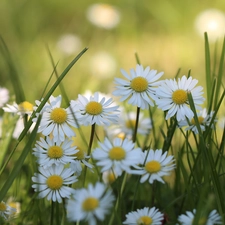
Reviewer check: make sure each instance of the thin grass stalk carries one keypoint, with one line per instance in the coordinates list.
(65, 97)
(207, 67)
(13, 74)
(220, 74)
(136, 125)
(89, 149)
(17, 167)
(52, 213)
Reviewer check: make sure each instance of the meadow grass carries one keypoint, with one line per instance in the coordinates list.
(197, 182)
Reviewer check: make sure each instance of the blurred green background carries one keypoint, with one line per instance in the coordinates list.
(162, 32)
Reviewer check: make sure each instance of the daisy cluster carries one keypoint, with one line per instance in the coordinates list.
(61, 162)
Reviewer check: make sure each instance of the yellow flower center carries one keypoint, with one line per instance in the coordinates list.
(179, 96)
(54, 182)
(152, 166)
(55, 152)
(90, 204)
(144, 220)
(25, 107)
(58, 115)
(200, 120)
(117, 153)
(139, 84)
(130, 123)
(94, 108)
(80, 154)
(2, 207)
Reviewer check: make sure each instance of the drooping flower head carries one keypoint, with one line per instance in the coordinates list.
(204, 120)
(211, 219)
(118, 156)
(139, 88)
(173, 97)
(156, 165)
(95, 110)
(90, 204)
(50, 152)
(52, 182)
(56, 120)
(145, 216)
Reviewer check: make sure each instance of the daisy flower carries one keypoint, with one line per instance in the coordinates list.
(6, 211)
(56, 120)
(145, 216)
(126, 125)
(95, 110)
(118, 156)
(50, 152)
(81, 157)
(52, 182)
(187, 219)
(204, 120)
(4, 96)
(90, 204)
(139, 87)
(173, 97)
(156, 165)
(19, 109)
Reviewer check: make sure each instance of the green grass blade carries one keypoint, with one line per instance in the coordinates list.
(220, 74)
(207, 68)
(47, 96)
(19, 163)
(13, 74)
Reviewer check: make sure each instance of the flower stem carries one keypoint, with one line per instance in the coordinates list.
(52, 213)
(136, 124)
(89, 149)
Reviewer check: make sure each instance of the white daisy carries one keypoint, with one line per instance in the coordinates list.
(173, 97)
(118, 156)
(4, 96)
(90, 204)
(140, 87)
(145, 216)
(126, 125)
(19, 109)
(96, 110)
(50, 152)
(52, 182)
(204, 120)
(6, 211)
(156, 165)
(56, 120)
(187, 219)
(81, 157)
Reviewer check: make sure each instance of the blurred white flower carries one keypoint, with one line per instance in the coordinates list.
(19, 109)
(103, 15)
(211, 21)
(69, 44)
(4, 96)
(103, 65)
